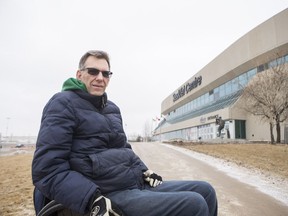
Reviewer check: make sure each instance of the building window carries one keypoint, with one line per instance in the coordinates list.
(230, 87)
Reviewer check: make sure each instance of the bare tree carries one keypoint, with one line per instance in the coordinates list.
(147, 131)
(266, 96)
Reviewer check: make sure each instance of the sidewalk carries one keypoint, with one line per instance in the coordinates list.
(236, 195)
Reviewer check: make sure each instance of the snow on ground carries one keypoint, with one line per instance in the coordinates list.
(274, 186)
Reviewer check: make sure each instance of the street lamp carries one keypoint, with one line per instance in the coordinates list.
(7, 126)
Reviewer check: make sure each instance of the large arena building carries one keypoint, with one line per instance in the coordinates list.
(190, 112)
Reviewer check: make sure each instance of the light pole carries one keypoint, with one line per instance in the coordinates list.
(7, 126)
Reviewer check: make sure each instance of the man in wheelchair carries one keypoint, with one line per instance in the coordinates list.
(83, 164)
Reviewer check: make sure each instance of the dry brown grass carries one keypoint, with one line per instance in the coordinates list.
(265, 157)
(16, 189)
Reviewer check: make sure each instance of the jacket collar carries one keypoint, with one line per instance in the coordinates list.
(98, 101)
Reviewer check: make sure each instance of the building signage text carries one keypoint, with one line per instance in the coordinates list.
(213, 117)
(187, 88)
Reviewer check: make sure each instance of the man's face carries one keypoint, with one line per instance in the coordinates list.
(95, 84)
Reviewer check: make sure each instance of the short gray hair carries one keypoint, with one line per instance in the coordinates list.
(96, 53)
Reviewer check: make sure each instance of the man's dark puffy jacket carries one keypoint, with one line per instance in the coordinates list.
(82, 149)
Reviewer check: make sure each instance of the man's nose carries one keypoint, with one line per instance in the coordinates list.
(100, 76)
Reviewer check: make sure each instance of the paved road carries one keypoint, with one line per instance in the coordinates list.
(234, 197)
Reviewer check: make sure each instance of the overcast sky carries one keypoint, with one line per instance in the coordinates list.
(155, 46)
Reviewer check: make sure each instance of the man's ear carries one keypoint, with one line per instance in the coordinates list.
(78, 75)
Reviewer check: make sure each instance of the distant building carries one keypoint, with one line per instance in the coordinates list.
(12, 140)
(191, 111)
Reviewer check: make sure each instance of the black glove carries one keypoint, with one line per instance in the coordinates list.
(152, 178)
(103, 206)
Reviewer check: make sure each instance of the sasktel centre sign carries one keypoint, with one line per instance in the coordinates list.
(187, 88)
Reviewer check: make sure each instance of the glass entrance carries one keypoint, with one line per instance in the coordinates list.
(240, 129)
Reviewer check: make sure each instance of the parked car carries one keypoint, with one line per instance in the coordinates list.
(19, 145)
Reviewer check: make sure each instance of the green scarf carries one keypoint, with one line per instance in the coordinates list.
(73, 84)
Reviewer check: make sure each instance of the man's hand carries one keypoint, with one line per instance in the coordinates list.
(102, 206)
(152, 178)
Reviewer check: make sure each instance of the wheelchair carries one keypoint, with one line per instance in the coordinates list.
(46, 207)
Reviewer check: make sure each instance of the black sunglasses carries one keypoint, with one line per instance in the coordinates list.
(95, 72)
